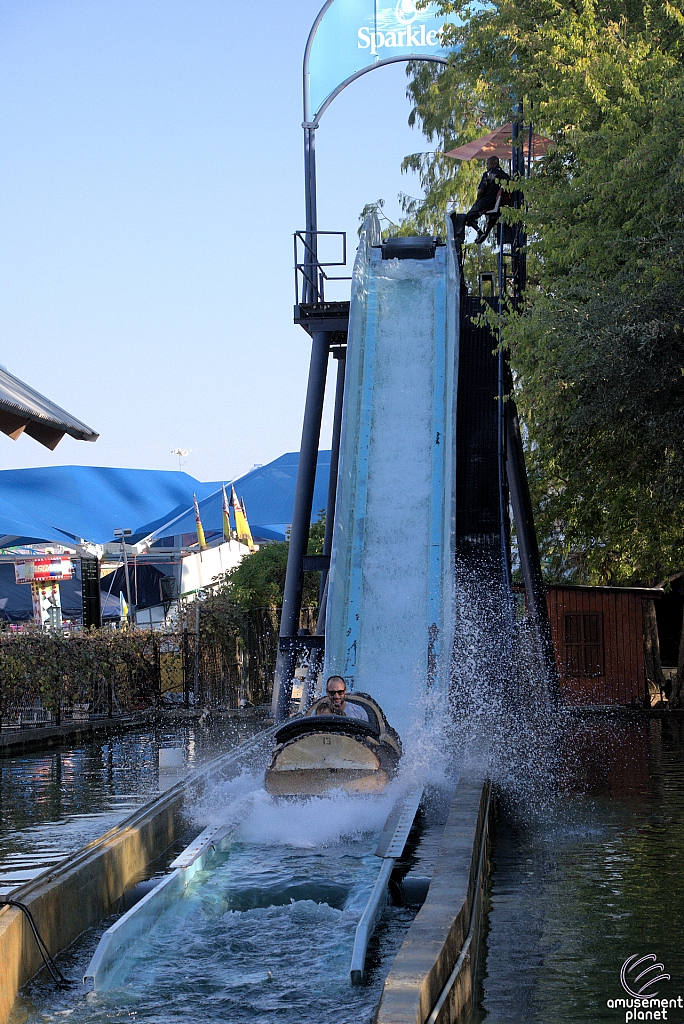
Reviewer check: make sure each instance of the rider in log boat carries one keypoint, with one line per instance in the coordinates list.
(345, 742)
(336, 690)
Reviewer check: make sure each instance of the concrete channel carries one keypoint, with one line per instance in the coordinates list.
(431, 979)
(85, 888)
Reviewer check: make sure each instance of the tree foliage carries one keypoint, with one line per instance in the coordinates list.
(597, 348)
(255, 584)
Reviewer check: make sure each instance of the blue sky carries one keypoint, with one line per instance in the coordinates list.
(150, 182)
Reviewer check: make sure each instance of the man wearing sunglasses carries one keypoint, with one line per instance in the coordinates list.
(336, 691)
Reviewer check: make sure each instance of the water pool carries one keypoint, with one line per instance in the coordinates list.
(51, 804)
(590, 880)
(265, 936)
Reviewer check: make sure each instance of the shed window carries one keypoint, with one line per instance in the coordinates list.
(584, 644)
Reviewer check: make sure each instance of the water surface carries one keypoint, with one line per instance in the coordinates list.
(51, 804)
(265, 936)
(589, 880)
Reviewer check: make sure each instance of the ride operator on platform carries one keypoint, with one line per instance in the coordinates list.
(491, 181)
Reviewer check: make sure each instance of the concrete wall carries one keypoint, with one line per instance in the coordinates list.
(80, 891)
(46, 737)
(435, 941)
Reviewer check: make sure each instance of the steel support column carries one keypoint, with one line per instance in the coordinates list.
(334, 465)
(311, 284)
(504, 525)
(528, 550)
(301, 519)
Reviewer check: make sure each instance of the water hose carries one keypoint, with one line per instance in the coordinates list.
(52, 967)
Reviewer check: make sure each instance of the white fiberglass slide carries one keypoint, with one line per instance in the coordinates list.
(389, 618)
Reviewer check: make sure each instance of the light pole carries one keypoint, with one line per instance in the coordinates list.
(122, 534)
(182, 453)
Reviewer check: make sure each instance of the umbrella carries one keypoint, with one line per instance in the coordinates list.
(498, 143)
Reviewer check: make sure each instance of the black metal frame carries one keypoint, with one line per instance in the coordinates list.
(310, 275)
(513, 482)
(90, 593)
(327, 324)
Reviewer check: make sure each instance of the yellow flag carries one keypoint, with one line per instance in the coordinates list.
(244, 533)
(198, 526)
(226, 515)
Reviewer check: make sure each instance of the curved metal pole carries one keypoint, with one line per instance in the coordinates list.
(307, 55)
(310, 125)
(402, 59)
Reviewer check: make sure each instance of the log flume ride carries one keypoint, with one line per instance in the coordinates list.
(322, 752)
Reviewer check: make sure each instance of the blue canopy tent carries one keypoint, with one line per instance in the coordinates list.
(63, 504)
(20, 527)
(72, 503)
(268, 493)
(67, 504)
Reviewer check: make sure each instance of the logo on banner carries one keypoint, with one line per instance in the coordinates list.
(398, 28)
(355, 35)
(405, 11)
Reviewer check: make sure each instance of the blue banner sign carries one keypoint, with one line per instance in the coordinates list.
(352, 36)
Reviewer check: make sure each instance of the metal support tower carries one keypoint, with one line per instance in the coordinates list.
(327, 324)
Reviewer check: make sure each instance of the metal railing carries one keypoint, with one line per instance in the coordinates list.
(310, 272)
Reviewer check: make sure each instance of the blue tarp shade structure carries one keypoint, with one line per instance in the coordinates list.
(268, 493)
(23, 410)
(70, 503)
(66, 504)
(19, 527)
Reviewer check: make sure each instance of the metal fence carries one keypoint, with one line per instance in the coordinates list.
(48, 677)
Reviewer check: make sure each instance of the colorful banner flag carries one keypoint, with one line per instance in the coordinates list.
(227, 535)
(198, 526)
(244, 534)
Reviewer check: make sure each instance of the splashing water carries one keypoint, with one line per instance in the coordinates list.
(502, 719)
(267, 934)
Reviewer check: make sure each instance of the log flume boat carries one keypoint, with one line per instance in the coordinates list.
(322, 752)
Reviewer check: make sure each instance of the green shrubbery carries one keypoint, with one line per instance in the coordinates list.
(109, 671)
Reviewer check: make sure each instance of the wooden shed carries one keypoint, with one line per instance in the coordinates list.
(598, 637)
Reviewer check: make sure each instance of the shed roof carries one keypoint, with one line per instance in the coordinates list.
(24, 410)
(647, 592)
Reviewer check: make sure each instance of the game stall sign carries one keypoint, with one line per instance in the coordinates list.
(44, 575)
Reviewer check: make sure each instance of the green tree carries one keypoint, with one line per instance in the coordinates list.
(257, 583)
(259, 579)
(597, 348)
